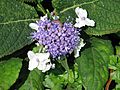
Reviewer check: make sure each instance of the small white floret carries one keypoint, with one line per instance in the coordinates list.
(34, 26)
(82, 19)
(33, 60)
(40, 61)
(43, 18)
(55, 17)
(78, 48)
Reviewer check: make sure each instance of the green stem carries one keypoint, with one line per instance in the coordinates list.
(65, 65)
(40, 7)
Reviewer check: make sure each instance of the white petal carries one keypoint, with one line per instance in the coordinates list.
(42, 56)
(79, 23)
(82, 44)
(78, 48)
(55, 17)
(53, 66)
(39, 60)
(81, 12)
(76, 52)
(78, 20)
(31, 55)
(43, 18)
(34, 26)
(89, 22)
(37, 44)
(40, 66)
(33, 63)
(45, 65)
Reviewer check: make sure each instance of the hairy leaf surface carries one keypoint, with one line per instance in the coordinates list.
(14, 25)
(106, 13)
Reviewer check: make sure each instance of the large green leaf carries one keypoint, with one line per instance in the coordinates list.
(27, 1)
(34, 81)
(93, 64)
(31, 1)
(9, 71)
(106, 13)
(14, 25)
(102, 45)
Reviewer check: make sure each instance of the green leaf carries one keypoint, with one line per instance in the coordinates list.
(34, 81)
(102, 45)
(9, 71)
(30, 1)
(115, 66)
(118, 34)
(53, 82)
(117, 50)
(105, 13)
(117, 87)
(113, 62)
(14, 25)
(93, 64)
(39, 1)
(64, 63)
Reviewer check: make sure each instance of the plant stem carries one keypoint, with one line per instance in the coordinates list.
(108, 84)
(65, 65)
(40, 7)
(109, 81)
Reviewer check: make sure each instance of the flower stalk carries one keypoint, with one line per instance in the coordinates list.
(40, 7)
(65, 66)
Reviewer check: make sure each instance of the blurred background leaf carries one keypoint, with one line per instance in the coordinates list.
(9, 71)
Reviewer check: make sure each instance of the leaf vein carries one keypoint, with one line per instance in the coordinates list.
(17, 21)
(74, 6)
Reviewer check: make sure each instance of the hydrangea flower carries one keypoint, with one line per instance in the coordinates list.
(40, 61)
(59, 39)
(82, 19)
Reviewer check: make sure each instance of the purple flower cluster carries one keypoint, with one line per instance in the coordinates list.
(59, 39)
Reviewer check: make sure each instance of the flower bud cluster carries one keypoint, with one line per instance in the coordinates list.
(58, 39)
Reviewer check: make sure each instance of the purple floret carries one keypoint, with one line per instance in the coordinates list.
(59, 39)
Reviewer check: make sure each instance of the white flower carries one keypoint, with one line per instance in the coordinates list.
(43, 18)
(78, 48)
(82, 19)
(55, 17)
(35, 25)
(37, 44)
(40, 61)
